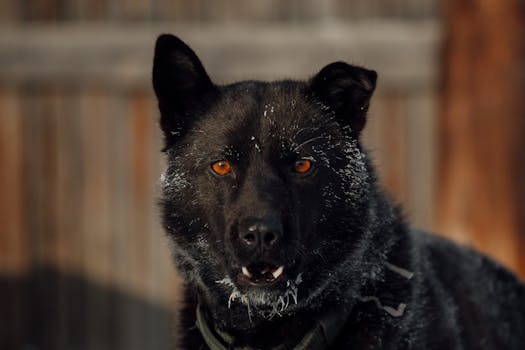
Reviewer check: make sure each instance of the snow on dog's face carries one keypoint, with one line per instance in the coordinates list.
(266, 187)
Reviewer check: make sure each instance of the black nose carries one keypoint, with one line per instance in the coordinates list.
(262, 231)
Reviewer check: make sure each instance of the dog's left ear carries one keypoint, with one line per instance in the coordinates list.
(182, 86)
(346, 89)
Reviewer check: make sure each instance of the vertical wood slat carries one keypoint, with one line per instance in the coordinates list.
(39, 171)
(164, 282)
(14, 255)
(386, 138)
(41, 10)
(121, 210)
(10, 11)
(136, 9)
(421, 151)
(15, 252)
(482, 121)
(70, 180)
(400, 138)
(82, 10)
(158, 266)
(137, 236)
(96, 235)
(394, 139)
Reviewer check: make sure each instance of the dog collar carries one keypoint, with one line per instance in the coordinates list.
(320, 336)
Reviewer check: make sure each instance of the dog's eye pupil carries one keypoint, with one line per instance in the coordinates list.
(301, 166)
(221, 167)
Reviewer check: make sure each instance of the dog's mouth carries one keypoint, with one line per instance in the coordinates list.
(260, 274)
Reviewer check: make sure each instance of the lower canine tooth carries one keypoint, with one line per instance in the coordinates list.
(278, 272)
(246, 272)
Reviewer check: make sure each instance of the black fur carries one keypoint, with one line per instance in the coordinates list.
(339, 237)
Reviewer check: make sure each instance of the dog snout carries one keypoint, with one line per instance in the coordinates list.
(261, 232)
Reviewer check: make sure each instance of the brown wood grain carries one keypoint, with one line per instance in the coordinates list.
(385, 136)
(222, 10)
(15, 247)
(15, 255)
(481, 152)
(96, 200)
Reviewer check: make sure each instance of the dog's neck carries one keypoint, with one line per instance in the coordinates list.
(315, 332)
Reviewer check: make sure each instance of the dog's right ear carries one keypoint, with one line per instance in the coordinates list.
(347, 90)
(182, 86)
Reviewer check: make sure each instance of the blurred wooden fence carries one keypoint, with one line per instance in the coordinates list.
(83, 263)
(482, 126)
(219, 10)
(78, 219)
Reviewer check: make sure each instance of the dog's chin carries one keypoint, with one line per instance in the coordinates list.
(267, 289)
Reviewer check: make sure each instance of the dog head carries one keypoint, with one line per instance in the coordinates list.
(266, 192)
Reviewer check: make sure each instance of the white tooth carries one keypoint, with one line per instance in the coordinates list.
(246, 272)
(278, 272)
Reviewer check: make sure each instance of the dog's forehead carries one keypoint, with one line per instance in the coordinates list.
(260, 115)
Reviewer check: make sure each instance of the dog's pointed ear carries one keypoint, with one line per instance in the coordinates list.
(346, 90)
(182, 86)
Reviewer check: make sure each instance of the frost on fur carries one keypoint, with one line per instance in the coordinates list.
(266, 305)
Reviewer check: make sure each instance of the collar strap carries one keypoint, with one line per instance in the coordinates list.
(320, 336)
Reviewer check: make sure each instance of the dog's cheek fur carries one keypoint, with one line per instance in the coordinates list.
(185, 205)
(339, 235)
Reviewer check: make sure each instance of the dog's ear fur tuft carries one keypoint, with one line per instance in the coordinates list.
(346, 89)
(182, 86)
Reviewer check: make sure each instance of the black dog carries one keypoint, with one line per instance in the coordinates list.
(283, 235)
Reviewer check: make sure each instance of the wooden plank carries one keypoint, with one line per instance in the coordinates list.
(421, 150)
(14, 252)
(69, 304)
(403, 53)
(165, 283)
(201, 10)
(53, 108)
(156, 328)
(37, 150)
(141, 202)
(136, 9)
(400, 138)
(54, 273)
(160, 275)
(141, 182)
(119, 126)
(73, 295)
(95, 111)
(129, 214)
(481, 167)
(82, 10)
(32, 124)
(96, 198)
(387, 141)
(10, 11)
(161, 269)
(15, 258)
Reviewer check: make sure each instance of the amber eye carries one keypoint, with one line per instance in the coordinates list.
(302, 166)
(221, 167)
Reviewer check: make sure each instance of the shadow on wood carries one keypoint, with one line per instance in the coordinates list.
(51, 310)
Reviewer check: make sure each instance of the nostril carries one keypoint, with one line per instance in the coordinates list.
(269, 238)
(249, 238)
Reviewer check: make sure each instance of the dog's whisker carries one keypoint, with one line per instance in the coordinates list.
(307, 142)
